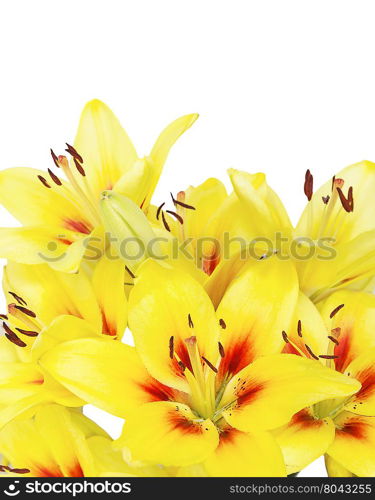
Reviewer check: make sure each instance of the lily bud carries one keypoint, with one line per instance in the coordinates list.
(131, 233)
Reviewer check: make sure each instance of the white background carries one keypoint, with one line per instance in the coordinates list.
(281, 86)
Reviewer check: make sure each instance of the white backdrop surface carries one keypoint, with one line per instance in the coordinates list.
(280, 87)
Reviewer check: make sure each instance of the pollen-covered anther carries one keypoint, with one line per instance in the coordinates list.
(130, 272)
(54, 177)
(336, 310)
(44, 182)
(327, 356)
(28, 333)
(190, 321)
(179, 201)
(299, 328)
(326, 199)
(222, 323)
(333, 339)
(182, 366)
(71, 150)
(221, 349)
(285, 337)
(165, 223)
(19, 299)
(6, 468)
(309, 185)
(171, 347)
(176, 216)
(24, 310)
(10, 335)
(159, 210)
(209, 364)
(54, 158)
(79, 167)
(310, 351)
(347, 203)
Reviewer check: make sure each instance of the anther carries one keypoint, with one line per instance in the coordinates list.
(29, 333)
(333, 339)
(326, 356)
(285, 337)
(54, 177)
(74, 152)
(171, 347)
(336, 310)
(209, 364)
(182, 366)
(132, 275)
(3, 316)
(6, 468)
(165, 222)
(26, 311)
(10, 335)
(177, 216)
(190, 321)
(309, 185)
(159, 210)
(44, 182)
(181, 203)
(79, 167)
(222, 323)
(19, 299)
(221, 349)
(54, 158)
(326, 199)
(346, 204)
(299, 328)
(309, 350)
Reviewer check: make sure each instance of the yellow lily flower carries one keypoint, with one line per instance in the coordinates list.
(58, 442)
(336, 226)
(46, 307)
(343, 428)
(201, 388)
(59, 214)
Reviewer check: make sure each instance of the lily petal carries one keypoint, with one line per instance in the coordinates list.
(285, 382)
(363, 369)
(168, 433)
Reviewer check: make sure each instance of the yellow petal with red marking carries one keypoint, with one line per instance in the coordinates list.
(354, 444)
(105, 373)
(304, 439)
(166, 307)
(169, 434)
(256, 308)
(241, 454)
(363, 369)
(267, 393)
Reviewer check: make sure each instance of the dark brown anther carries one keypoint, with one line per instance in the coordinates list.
(326, 356)
(19, 299)
(333, 183)
(221, 349)
(55, 158)
(6, 468)
(29, 333)
(181, 203)
(333, 339)
(79, 167)
(54, 177)
(10, 335)
(222, 323)
(44, 182)
(299, 328)
(309, 350)
(326, 199)
(3, 316)
(171, 347)
(190, 321)
(74, 152)
(209, 364)
(174, 214)
(344, 202)
(336, 310)
(165, 222)
(131, 274)
(159, 210)
(309, 185)
(285, 337)
(26, 311)
(182, 366)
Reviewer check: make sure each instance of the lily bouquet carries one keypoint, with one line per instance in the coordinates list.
(253, 341)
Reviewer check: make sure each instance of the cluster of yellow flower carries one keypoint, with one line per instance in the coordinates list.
(254, 340)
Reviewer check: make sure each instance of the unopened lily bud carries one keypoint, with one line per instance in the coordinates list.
(130, 231)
